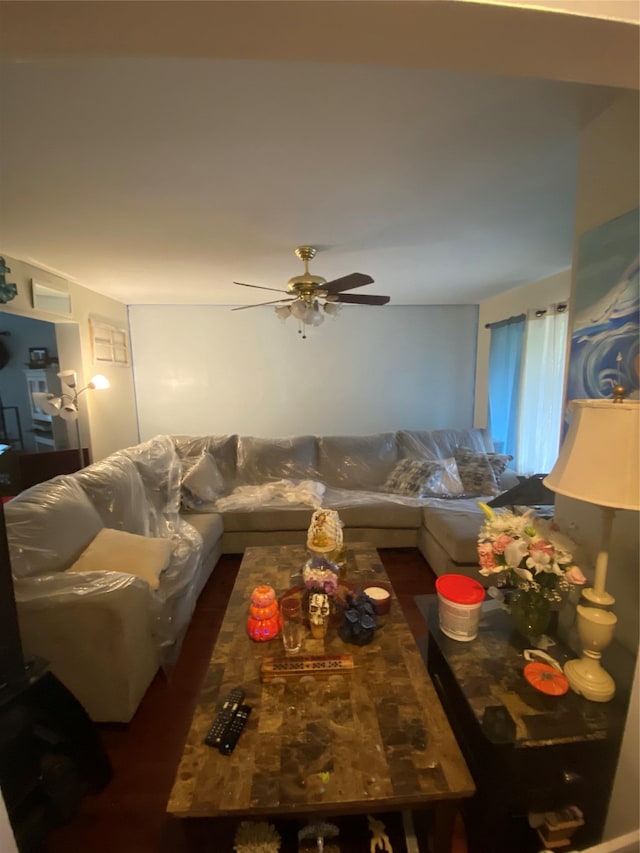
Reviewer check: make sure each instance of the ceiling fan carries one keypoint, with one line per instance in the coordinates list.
(309, 295)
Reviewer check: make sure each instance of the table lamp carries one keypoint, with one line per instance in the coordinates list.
(598, 463)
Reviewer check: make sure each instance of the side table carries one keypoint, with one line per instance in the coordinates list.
(527, 751)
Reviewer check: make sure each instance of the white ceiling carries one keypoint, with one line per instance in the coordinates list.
(161, 179)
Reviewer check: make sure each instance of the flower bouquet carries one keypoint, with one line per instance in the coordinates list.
(532, 557)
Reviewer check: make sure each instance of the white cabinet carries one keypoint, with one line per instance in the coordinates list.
(49, 432)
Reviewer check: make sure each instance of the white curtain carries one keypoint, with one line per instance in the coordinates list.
(541, 391)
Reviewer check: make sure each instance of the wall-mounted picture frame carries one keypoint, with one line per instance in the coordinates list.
(38, 356)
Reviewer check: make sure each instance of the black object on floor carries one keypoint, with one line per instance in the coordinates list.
(51, 755)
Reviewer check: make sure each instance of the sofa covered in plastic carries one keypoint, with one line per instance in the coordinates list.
(108, 562)
(106, 631)
(392, 489)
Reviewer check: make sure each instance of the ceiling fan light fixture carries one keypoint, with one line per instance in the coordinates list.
(299, 309)
(283, 311)
(312, 296)
(316, 317)
(332, 308)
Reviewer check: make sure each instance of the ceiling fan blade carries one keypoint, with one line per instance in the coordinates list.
(347, 282)
(361, 299)
(258, 304)
(260, 287)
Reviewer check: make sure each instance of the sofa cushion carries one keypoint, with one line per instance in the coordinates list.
(445, 479)
(49, 525)
(499, 462)
(455, 525)
(115, 488)
(442, 443)
(222, 448)
(160, 469)
(357, 461)
(411, 477)
(209, 525)
(202, 483)
(476, 472)
(384, 515)
(145, 557)
(261, 459)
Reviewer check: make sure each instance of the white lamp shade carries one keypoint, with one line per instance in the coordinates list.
(69, 377)
(599, 459)
(332, 308)
(299, 309)
(99, 383)
(315, 317)
(283, 311)
(49, 404)
(69, 412)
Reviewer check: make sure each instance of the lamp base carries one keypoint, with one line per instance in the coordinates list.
(590, 680)
(586, 676)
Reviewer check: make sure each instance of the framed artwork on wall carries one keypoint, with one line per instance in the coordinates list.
(38, 356)
(109, 343)
(605, 346)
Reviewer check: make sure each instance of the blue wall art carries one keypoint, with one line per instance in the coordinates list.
(606, 311)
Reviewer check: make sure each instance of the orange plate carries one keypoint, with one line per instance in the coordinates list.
(546, 678)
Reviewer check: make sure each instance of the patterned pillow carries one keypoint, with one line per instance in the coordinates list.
(410, 477)
(476, 472)
(499, 462)
(445, 481)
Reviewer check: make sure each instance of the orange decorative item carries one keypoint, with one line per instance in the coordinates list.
(264, 621)
(547, 679)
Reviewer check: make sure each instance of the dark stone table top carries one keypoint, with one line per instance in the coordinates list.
(489, 673)
(373, 739)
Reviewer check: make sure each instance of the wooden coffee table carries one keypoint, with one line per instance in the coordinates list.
(374, 739)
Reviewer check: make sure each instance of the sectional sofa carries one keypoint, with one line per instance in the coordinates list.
(108, 562)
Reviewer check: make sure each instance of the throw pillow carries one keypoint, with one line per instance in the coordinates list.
(203, 482)
(499, 462)
(112, 550)
(445, 481)
(476, 472)
(410, 477)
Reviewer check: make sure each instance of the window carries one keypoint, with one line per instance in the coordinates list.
(526, 378)
(109, 344)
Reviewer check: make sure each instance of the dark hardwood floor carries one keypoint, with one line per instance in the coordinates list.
(129, 815)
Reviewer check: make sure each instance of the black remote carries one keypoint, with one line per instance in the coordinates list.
(224, 717)
(234, 729)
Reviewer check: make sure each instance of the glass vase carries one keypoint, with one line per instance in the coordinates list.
(530, 613)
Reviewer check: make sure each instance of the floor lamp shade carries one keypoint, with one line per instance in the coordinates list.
(599, 461)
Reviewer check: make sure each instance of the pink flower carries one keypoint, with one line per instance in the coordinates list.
(574, 575)
(501, 543)
(541, 545)
(485, 555)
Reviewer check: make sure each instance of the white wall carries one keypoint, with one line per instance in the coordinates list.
(210, 370)
(107, 419)
(537, 294)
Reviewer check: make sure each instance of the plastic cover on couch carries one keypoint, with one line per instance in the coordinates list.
(50, 525)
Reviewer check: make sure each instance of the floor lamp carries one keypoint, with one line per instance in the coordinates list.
(598, 463)
(65, 405)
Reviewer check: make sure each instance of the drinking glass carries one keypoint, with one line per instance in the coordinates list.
(292, 625)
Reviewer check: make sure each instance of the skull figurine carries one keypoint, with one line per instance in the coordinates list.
(319, 609)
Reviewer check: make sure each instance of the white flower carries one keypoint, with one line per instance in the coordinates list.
(515, 552)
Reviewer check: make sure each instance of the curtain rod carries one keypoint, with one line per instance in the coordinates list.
(559, 308)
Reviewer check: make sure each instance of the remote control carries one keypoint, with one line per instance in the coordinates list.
(234, 729)
(224, 717)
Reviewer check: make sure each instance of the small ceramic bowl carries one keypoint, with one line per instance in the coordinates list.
(380, 595)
